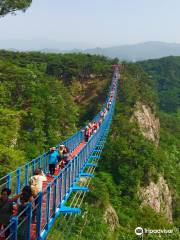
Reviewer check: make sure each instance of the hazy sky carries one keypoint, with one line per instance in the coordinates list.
(92, 23)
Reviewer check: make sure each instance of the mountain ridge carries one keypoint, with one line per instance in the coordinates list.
(140, 51)
(127, 52)
(134, 52)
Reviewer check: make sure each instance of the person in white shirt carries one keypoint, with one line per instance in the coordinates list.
(36, 181)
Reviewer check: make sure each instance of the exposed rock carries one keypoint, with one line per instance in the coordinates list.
(111, 218)
(158, 197)
(149, 125)
(14, 141)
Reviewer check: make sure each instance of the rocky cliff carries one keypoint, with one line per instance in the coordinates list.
(148, 123)
(111, 218)
(156, 195)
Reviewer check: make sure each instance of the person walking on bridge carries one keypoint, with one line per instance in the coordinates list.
(36, 182)
(53, 159)
(67, 155)
(6, 209)
(87, 133)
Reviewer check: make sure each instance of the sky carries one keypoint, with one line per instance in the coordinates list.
(66, 24)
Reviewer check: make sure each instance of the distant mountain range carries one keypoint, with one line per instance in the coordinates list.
(136, 52)
(43, 44)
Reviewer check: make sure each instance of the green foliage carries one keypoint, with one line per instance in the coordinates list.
(45, 103)
(10, 6)
(99, 194)
(165, 75)
(9, 126)
(10, 159)
(70, 67)
(136, 86)
(37, 107)
(133, 161)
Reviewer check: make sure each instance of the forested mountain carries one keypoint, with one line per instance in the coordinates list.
(44, 98)
(165, 75)
(137, 183)
(40, 100)
(140, 51)
(133, 52)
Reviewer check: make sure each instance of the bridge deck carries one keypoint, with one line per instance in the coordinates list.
(49, 180)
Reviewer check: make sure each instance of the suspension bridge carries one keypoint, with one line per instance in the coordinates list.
(53, 200)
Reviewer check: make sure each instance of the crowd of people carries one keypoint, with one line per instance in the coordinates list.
(57, 157)
(29, 193)
(92, 127)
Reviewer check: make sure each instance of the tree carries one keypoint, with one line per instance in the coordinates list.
(11, 6)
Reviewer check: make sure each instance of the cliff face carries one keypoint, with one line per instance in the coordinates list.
(158, 196)
(149, 125)
(111, 218)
